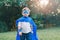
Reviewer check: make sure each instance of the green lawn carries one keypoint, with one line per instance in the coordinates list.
(44, 34)
(49, 34)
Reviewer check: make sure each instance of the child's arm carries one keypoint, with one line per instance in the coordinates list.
(19, 28)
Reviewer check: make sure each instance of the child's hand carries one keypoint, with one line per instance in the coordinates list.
(20, 33)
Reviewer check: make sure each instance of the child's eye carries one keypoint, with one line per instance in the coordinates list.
(26, 11)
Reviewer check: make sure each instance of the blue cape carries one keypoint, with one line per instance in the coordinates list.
(27, 19)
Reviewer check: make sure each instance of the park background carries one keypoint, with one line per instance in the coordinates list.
(45, 13)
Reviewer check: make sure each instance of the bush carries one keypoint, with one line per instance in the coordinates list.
(3, 27)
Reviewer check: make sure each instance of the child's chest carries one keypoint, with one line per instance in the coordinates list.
(25, 24)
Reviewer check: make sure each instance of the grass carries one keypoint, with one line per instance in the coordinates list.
(8, 36)
(44, 34)
(49, 34)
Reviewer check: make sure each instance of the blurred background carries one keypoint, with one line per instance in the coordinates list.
(45, 13)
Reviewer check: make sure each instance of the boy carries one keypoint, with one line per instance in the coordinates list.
(26, 26)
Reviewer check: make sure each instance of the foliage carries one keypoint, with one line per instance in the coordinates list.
(3, 27)
(10, 11)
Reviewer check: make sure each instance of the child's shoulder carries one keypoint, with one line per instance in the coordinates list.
(19, 19)
(30, 18)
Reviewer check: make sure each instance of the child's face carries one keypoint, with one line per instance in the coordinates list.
(25, 12)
